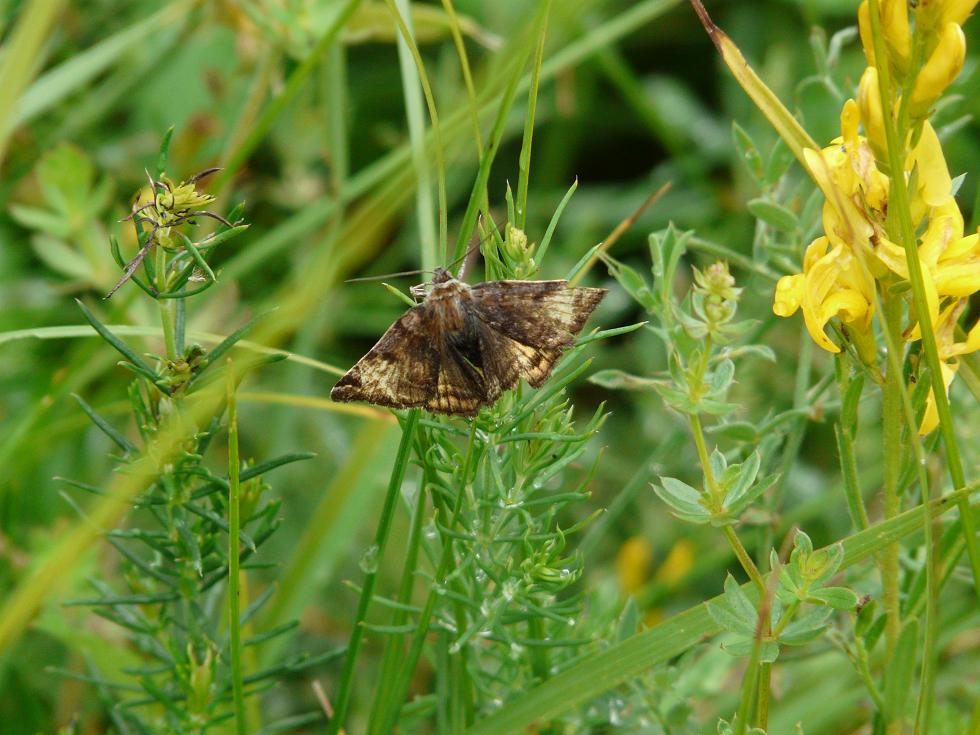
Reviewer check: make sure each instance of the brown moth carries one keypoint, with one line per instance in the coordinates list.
(465, 345)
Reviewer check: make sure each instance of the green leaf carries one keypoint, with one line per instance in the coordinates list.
(768, 650)
(727, 619)
(631, 281)
(807, 627)
(839, 598)
(684, 501)
(898, 675)
(741, 604)
(666, 249)
(550, 231)
(620, 380)
(62, 258)
(740, 431)
(749, 153)
(775, 215)
(121, 441)
(780, 159)
(747, 472)
(120, 346)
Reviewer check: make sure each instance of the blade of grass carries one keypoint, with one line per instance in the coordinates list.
(412, 72)
(375, 554)
(234, 527)
(22, 60)
(67, 78)
(297, 79)
(330, 529)
(388, 167)
(524, 161)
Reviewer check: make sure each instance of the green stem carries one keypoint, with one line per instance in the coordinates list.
(899, 207)
(234, 527)
(394, 650)
(166, 308)
(845, 451)
(712, 491)
(762, 706)
(891, 419)
(442, 570)
(371, 573)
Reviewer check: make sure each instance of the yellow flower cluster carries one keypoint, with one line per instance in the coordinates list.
(842, 268)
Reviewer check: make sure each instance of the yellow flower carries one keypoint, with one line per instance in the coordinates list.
(949, 261)
(832, 284)
(633, 563)
(942, 67)
(869, 103)
(949, 352)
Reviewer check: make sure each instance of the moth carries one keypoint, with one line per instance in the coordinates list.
(465, 345)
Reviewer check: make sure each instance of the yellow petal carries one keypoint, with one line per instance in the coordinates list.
(963, 249)
(869, 101)
(853, 228)
(945, 227)
(815, 322)
(850, 118)
(943, 66)
(895, 24)
(935, 183)
(864, 26)
(847, 304)
(972, 343)
(789, 293)
(930, 420)
(960, 280)
(957, 11)
(893, 256)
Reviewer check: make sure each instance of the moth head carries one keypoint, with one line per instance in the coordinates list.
(441, 275)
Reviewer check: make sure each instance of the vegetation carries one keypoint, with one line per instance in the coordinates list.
(743, 502)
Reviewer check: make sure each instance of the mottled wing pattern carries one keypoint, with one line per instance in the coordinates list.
(537, 319)
(402, 370)
(460, 387)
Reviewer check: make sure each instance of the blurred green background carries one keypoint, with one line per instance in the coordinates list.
(632, 96)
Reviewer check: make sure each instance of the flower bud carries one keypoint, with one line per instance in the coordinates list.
(869, 102)
(939, 71)
(864, 27)
(895, 25)
(956, 11)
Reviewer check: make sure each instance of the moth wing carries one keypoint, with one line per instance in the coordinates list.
(461, 386)
(401, 371)
(506, 360)
(538, 319)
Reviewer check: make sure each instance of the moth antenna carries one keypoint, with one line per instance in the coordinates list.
(365, 279)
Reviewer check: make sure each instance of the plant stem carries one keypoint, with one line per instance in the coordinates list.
(166, 308)
(442, 570)
(845, 451)
(712, 490)
(371, 573)
(899, 205)
(891, 419)
(234, 525)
